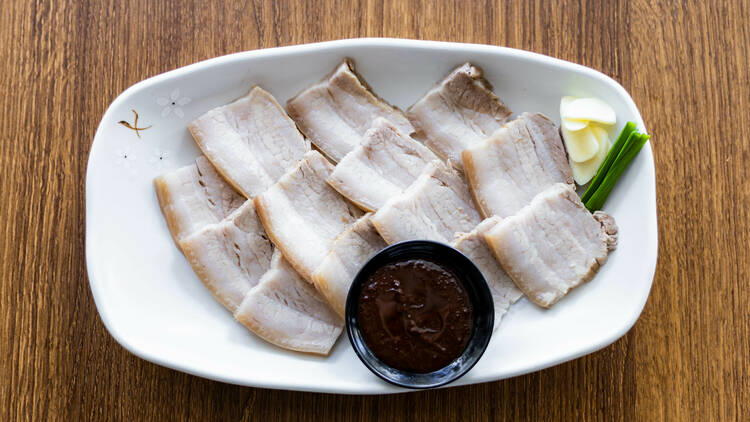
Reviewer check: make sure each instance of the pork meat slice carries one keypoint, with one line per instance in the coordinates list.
(302, 214)
(382, 166)
(231, 256)
(435, 207)
(458, 112)
(506, 170)
(473, 245)
(336, 112)
(287, 311)
(251, 141)
(553, 244)
(193, 197)
(350, 250)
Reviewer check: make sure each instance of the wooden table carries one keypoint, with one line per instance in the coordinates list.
(686, 66)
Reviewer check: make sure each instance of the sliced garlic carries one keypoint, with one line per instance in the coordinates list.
(587, 110)
(585, 171)
(581, 145)
(586, 141)
(574, 125)
(602, 137)
(571, 125)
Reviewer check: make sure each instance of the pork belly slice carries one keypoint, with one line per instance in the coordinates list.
(349, 252)
(473, 245)
(287, 311)
(385, 164)
(435, 207)
(302, 214)
(251, 141)
(553, 244)
(231, 256)
(193, 197)
(506, 170)
(336, 112)
(458, 112)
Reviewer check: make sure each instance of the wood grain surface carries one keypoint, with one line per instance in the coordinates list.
(686, 64)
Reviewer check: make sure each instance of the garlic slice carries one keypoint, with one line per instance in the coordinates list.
(571, 125)
(585, 171)
(574, 125)
(602, 137)
(581, 145)
(587, 110)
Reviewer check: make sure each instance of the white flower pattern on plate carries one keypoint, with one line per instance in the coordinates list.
(159, 159)
(173, 104)
(126, 159)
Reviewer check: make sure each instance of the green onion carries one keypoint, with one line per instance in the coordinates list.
(622, 139)
(628, 152)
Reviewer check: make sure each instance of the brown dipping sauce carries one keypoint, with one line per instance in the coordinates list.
(415, 315)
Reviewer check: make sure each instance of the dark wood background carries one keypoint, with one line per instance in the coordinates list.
(685, 63)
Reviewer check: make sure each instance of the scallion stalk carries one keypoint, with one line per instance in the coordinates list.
(626, 155)
(622, 139)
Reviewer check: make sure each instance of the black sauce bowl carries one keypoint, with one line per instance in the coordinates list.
(479, 296)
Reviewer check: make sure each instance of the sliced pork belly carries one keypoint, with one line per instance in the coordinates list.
(287, 311)
(506, 170)
(350, 250)
(553, 244)
(302, 214)
(473, 245)
(230, 257)
(336, 113)
(385, 164)
(193, 197)
(251, 141)
(458, 112)
(436, 206)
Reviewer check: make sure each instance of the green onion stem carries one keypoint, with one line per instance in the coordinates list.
(622, 139)
(628, 152)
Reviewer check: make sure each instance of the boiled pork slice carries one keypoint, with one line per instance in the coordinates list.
(251, 141)
(553, 244)
(458, 112)
(506, 170)
(230, 257)
(382, 166)
(287, 311)
(302, 214)
(349, 252)
(193, 197)
(336, 112)
(435, 207)
(473, 245)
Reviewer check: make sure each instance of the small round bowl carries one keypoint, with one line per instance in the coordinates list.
(479, 296)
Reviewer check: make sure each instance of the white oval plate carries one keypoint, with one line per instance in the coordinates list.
(152, 303)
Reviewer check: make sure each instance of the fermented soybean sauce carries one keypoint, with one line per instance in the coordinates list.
(415, 315)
